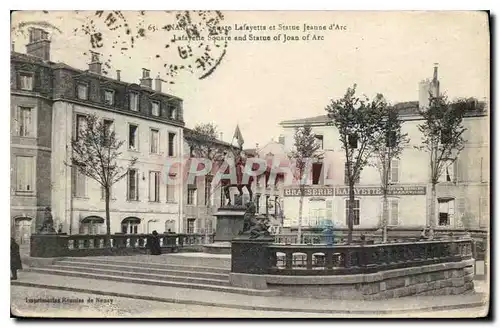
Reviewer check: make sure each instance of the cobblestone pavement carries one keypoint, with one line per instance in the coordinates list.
(70, 304)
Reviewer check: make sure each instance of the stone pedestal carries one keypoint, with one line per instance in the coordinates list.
(48, 245)
(250, 256)
(229, 222)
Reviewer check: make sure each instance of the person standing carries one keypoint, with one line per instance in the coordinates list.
(15, 259)
(154, 244)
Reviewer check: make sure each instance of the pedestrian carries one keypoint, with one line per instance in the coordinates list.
(154, 244)
(15, 259)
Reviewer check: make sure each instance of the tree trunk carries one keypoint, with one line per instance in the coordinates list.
(432, 218)
(301, 205)
(385, 216)
(108, 221)
(350, 216)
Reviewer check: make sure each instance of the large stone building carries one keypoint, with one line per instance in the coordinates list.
(463, 192)
(30, 137)
(50, 102)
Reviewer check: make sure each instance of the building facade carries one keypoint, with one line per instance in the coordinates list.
(30, 140)
(149, 121)
(463, 191)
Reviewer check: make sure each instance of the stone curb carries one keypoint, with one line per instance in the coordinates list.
(250, 307)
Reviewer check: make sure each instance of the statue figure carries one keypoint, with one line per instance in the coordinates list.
(253, 225)
(239, 162)
(48, 222)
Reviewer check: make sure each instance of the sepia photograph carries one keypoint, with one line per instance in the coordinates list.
(249, 164)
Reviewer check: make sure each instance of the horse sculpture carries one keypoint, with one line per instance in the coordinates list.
(226, 184)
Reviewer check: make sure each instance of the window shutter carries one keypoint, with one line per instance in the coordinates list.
(394, 171)
(151, 186)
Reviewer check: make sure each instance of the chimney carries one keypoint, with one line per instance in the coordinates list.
(158, 82)
(146, 80)
(435, 82)
(118, 75)
(221, 135)
(39, 44)
(95, 64)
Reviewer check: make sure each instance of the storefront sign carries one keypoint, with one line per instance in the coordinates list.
(358, 191)
(309, 191)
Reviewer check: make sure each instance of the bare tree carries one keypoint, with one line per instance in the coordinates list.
(442, 137)
(305, 149)
(96, 154)
(357, 121)
(387, 146)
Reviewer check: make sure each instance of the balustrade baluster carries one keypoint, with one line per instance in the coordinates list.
(309, 260)
(288, 259)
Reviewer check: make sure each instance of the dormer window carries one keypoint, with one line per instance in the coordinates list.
(155, 108)
(82, 91)
(171, 111)
(26, 81)
(134, 101)
(109, 97)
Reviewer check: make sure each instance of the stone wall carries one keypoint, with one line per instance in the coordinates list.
(437, 279)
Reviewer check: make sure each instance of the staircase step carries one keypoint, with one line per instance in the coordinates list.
(143, 275)
(153, 282)
(168, 271)
(165, 266)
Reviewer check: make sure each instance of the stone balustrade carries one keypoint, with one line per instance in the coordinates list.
(353, 259)
(56, 245)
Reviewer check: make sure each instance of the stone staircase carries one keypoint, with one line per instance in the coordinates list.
(146, 273)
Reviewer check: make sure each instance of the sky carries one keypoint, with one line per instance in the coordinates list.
(261, 83)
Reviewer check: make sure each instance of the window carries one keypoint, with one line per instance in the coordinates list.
(133, 191)
(171, 137)
(82, 91)
(26, 81)
(191, 225)
(316, 173)
(393, 212)
(25, 122)
(208, 189)
(155, 108)
(133, 101)
(394, 174)
(346, 175)
(130, 225)
(191, 196)
(25, 166)
(108, 128)
(448, 174)
(155, 141)
(79, 183)
(109, 97)
(81, 124)
(170, 192)
(171, 111)
(355, 212)
(91, 225)
(319, 139)
(446, 211)
(154, 186)
(132, 137)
